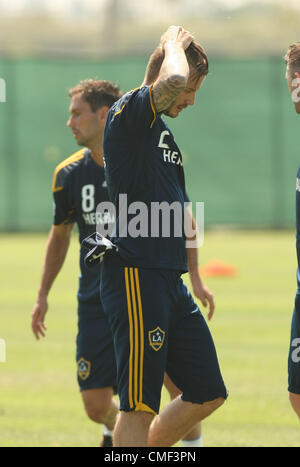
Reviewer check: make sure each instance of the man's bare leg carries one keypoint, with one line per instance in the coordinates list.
(100, 406)
(174, 392)
(177, 419)
(132, 429)
(295, 402)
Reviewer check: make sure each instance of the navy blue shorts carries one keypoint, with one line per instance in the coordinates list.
(157, 327)
(96, 365)
(294, 351)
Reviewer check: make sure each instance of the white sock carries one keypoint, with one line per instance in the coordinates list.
(106, 431)
(194, 443)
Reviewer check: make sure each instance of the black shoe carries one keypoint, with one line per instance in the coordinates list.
(106, 442)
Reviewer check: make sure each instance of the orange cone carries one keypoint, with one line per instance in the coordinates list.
(218, 268)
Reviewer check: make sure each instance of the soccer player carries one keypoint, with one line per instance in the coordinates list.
(78, 186)
(194, 437)
(292, 59)
(155, 322)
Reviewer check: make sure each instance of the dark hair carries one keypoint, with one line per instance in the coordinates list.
(196, 58)
(97, 93)
(292, 58)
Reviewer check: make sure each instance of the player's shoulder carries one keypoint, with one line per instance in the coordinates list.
(65, 168)
(119, 105)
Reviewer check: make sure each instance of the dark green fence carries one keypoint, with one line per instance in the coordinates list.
(239, 141)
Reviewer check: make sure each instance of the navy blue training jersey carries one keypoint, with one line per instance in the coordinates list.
(143, 161)
(78, 187)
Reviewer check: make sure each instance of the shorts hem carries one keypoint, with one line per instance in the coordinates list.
(97, 386)
(294, 390)
(203, 400)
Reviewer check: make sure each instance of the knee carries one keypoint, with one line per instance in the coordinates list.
(97, 403)
(97, 411)
(214, 404)
(218, 402)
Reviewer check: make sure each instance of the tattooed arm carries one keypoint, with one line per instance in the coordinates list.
(174, 71)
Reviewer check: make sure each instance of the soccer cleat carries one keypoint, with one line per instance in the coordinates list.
(106, 442)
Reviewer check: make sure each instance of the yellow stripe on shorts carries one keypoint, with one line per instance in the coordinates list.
(136, 337)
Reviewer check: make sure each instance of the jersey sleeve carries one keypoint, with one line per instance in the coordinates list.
(64, 213)
(136, 111)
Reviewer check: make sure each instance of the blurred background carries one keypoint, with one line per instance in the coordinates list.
(239, 141)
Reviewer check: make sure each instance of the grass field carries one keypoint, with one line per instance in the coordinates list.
(40, 404)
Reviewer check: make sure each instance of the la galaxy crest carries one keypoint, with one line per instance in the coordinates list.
(156, 338)
(84, 368)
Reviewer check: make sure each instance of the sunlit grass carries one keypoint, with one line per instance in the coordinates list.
(40, 404)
